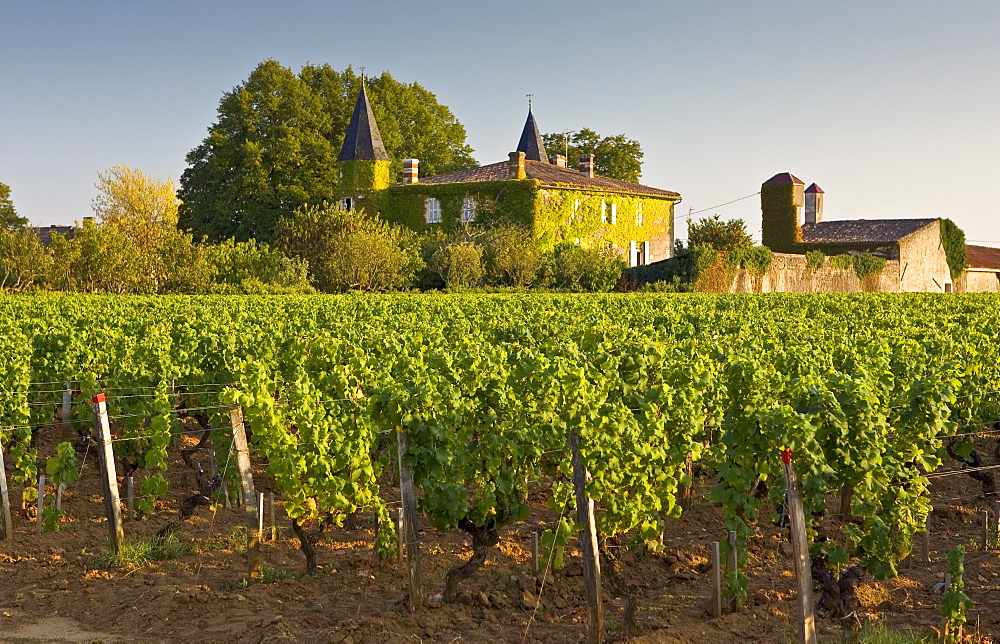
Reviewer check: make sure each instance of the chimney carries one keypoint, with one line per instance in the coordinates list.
(515, 167)
(411, 171)
(559, 160)
(814, 204)
(587, 165)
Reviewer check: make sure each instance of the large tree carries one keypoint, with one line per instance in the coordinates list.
(720, 235)
(278, 135)
(618, 157)
(9, 219)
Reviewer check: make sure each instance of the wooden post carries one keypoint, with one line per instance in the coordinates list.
(270, 511)
(803, 576)
(409, 514)
(246, 479)
(588, 546)
(40, 501)
(734, 553)
(986, 529)
(130, 498)
(716, 601)
(534, 553)
(7, 527)
(996, 522)
(689, 488)
(926, 540)
(67, 413)
(109, 477)
(59, 491)
(399, 534)
(260, 517)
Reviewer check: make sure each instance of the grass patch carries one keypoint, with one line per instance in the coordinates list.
(880, 634)
(235, 540)
(136, 554)
(265, 575)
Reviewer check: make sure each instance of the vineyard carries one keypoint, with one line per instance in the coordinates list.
(487, 408)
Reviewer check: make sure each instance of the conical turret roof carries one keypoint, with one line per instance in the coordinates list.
(531, 141)
(363, 141)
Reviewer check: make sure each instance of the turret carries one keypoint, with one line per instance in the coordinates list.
(531, 141)
(814, 204)
(364, 163)
(781, 201)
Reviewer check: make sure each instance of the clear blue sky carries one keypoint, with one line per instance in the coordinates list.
(891, 107)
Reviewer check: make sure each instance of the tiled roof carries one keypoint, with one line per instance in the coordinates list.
(983, 257)
(549, 175)
(531, 141)
(782, 178)
(814, 188)
(363, 141)
(862, 231)
(45, 233)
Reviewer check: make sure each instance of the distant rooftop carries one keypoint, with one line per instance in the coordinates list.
(983, 257)
(862, 231)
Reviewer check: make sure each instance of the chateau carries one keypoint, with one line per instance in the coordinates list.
(557, 203)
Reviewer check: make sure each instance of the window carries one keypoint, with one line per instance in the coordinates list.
(468, 209)
(432, 210)
(576, 210)
(614, 213)
(638, 253)
(347, 203)
(604, 212)
(638, 213)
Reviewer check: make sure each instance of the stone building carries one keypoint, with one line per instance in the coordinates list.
(557, 203)
(983, 273)
(792, 222)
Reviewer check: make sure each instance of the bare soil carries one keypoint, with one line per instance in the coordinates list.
(50, 590)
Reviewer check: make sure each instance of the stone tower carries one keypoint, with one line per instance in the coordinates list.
(814, 204)
(364, 163)
(781, 201)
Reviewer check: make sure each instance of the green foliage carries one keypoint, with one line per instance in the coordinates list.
(62, 468)
(150, 488)
(277, 138)
(867, 265)
(24, 262)
(876, 633)
(350, 250)
(780, 231)
(9, 219)
(953, 240)
(755, 259)
(955, 602)
(578, 268)
(511, 257)
(136, 554)
(269, 574)
(617, 157)
(252, 268)
(815, 259)
(458, 264)
(842, 262)
(360, 177)
(721, 235)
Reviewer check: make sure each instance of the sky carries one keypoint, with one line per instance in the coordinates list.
(890, 107)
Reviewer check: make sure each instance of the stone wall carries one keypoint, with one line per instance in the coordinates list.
(923, 263)
(790, 274)
(978, 281)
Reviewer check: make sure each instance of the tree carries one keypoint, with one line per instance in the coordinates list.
(720, 235)
(577, 268)
(24, 262)
(9, 219)
(278, 135)
(617, 157)
(253, 268)
(349, 249)
(511, 257)
(459, 264)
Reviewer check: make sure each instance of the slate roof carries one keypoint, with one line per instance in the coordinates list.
(45, 233)
(862, 231)
(782, 179)
(363, 141)
(549, 175)
(531, 141)
(983, 257)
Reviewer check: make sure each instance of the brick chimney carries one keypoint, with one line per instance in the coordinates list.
(587, 165)
(411, 171)
(814, 204)
(559, 160)
(515, 167)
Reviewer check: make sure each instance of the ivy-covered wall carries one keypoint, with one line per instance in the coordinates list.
(554, 215)
(779, 217)
(359, 177)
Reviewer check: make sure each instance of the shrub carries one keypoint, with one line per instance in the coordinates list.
(815, 259)
(842, 262)
(867, 265)
(577, 268)
(458, 264)
(252, 268)
(511, 257)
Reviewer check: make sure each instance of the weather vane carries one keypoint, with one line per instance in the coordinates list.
(529, 101)
(362, 73)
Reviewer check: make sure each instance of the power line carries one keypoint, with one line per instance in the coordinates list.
(695, 212)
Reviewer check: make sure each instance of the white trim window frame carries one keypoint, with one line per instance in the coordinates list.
(614, 214)
(638, 213)
(432, 210)
(468, 210)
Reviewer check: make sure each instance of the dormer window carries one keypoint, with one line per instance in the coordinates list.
(468, 210)
(432, 210)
